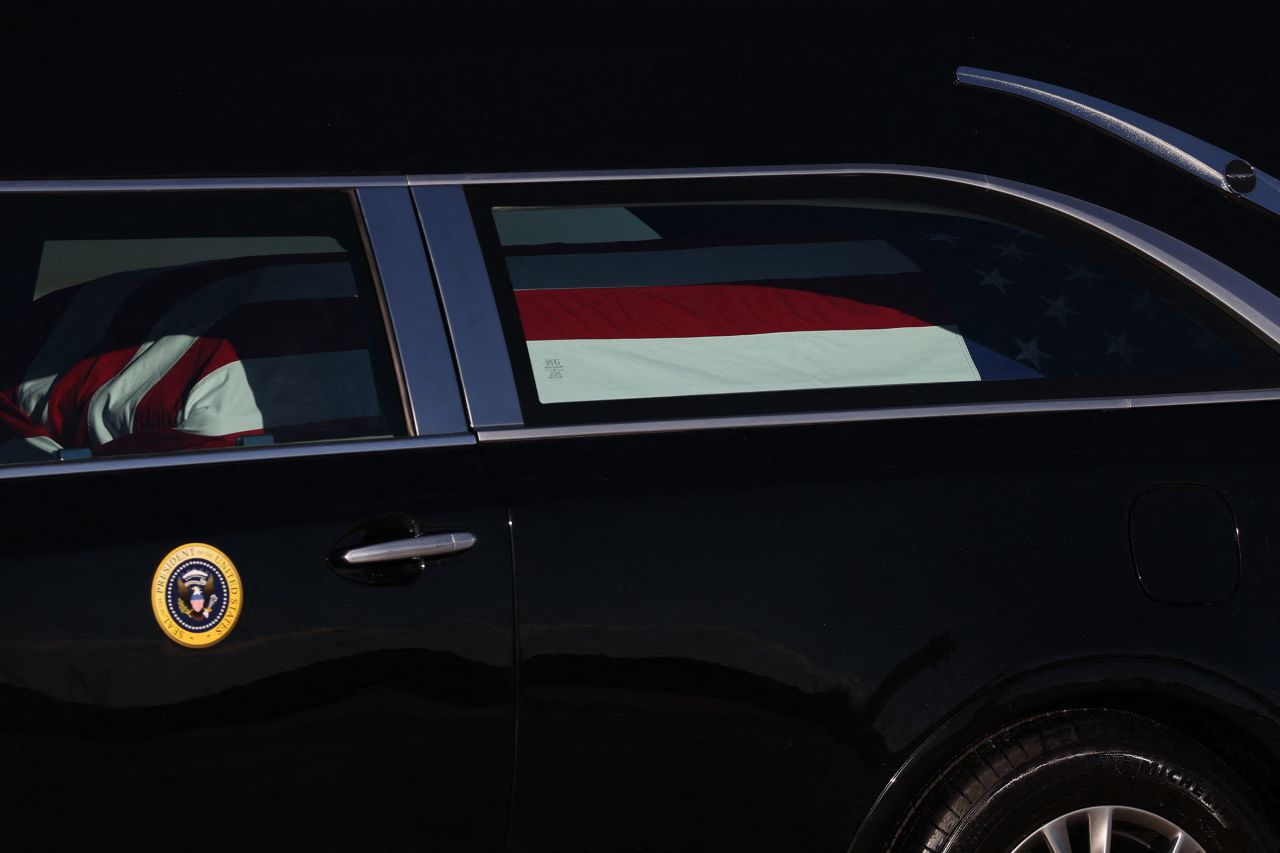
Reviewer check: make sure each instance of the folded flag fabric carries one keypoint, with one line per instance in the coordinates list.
(670, 300)
(615, 322)
(606, 343)
(189, 357)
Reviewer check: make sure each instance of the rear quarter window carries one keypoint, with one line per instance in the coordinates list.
(713, 299)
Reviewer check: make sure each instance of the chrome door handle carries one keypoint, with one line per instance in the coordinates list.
(415, 548)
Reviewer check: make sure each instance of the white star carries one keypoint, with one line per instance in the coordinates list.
(1143, 304)
(993, 279)
(1119, 345)
(1082, 273)
(1059, 308)
(1013, 250)
(1030, 351)
(941, 237)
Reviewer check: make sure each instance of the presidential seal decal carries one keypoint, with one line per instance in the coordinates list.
(196, 595)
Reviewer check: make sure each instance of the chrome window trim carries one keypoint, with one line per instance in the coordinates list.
(570, 176)
(1205, 161)
(944, 410)
(1191, 154)
(417, 330)
(131, 185)
(229, 455)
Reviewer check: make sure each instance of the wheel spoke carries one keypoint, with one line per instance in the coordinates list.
(1136, 828)
(1100, 830)
(1056, 834)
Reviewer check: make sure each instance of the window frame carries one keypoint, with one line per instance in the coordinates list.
(1241, 300)
(400, 281)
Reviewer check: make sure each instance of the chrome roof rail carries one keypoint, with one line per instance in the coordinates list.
(1207, 162)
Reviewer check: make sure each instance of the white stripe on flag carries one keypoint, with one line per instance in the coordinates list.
(576, 370)
(221, 403)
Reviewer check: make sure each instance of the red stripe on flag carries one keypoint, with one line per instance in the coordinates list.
(704, 310)
(72, 391)
(14, 421)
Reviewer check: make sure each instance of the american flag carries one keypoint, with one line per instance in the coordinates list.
(671, 300)
(189, 357)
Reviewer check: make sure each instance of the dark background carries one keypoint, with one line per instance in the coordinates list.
(336, 87)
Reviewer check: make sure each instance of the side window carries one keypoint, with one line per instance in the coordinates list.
(158, 322)
(894, 292)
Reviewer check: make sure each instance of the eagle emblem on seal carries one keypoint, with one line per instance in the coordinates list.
(197, 595)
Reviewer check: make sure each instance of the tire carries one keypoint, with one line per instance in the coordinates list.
(1004, 790)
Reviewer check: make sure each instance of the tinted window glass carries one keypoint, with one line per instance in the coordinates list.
(163, 322)
(650, 298)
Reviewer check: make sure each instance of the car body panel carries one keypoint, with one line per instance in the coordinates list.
(328, 700)
(753, 629)
(333, 713)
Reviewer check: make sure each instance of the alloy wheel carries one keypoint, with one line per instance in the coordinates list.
(1109, 829)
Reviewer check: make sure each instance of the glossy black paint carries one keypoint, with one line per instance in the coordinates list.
(334, 716)
(738, 638)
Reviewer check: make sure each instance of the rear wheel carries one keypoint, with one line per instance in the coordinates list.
(1087, 782)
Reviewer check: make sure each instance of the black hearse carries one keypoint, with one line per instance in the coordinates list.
(381, 473)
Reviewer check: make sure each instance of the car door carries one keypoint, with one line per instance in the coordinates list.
(256, 580)
(799, 466)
